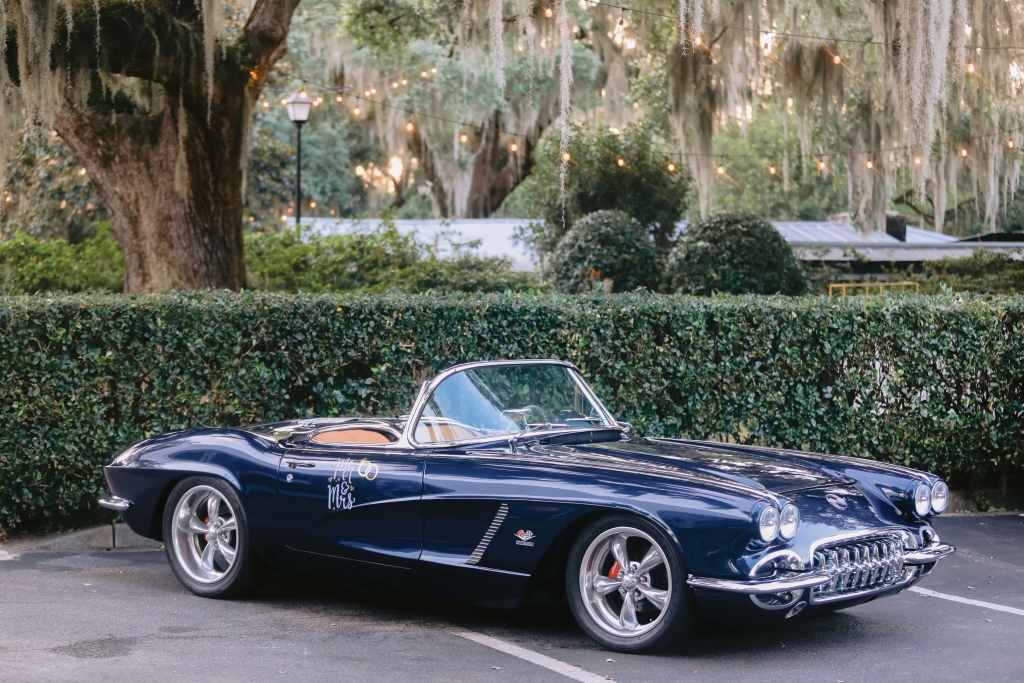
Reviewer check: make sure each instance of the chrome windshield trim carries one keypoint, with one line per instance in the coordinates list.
(114, 503)
(407, 440)
(933, 552)
(772, 584)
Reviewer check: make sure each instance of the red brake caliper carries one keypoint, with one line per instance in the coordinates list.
(613, 573)
(206, 537)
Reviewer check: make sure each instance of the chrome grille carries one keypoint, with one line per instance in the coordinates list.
(859, 567)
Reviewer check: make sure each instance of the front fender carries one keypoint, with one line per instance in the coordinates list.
(145, 475)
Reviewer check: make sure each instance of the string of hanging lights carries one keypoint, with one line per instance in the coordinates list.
(820, 159)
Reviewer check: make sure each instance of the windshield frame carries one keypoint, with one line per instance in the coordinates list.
(427, 390)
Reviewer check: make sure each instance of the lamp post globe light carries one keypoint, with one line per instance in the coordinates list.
(298, 106)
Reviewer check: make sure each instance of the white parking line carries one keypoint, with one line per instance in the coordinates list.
(573, 672)
(967, 601)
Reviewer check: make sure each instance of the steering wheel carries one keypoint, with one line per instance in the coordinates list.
(535, 410)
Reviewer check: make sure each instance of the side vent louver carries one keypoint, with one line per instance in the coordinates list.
(491, 530)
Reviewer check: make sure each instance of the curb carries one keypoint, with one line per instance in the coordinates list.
(91, 539)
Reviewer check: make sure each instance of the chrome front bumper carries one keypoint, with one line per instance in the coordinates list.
(932, 552)
(792, 581)
(114, 503)
(766, 585)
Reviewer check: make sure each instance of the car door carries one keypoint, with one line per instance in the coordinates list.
(353, 502)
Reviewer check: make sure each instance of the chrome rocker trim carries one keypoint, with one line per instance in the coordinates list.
(928, 554)
(770, 584)
(114, 503)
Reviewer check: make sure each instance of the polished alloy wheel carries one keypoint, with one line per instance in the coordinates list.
(625, 582)
(205, 534)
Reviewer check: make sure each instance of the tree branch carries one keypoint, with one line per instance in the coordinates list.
(266, 32)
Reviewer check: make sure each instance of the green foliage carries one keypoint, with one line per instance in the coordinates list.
(47, 194)
(29, 265)
(270, 182)
(369, 261)
(643, 187)
(372, 260)
(284, 261)
(983, 272)
(930, 382)
(746, 155)
(1012, 219)
(384, 27)
(604, 245)
(734, 253)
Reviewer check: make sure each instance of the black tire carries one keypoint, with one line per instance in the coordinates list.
(678, 617)
(245, 572)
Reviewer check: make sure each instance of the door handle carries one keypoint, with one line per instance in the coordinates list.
(299, 463)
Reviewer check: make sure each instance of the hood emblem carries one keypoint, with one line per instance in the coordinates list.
(836, 501)
(524, 537)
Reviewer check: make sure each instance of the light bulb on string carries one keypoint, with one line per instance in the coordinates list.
(405, 82)
(917, 160)
(721, 170)
(970, 68)
(514, 147)
(463, 138)
(870, 164)
(566, 157)
(671, 167)
(963, 152)
(836, 59)
(409, 127)
(548, 12)
(355, 111)
(821, 165)
(338, 98)
(423, 74)
(1010, 144)
(621, 162)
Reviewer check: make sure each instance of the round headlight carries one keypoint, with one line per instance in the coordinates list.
(789, 521)
(922, 500)
(940, 496)
(768, 524)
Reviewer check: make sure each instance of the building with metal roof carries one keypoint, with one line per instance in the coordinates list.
(812, 241)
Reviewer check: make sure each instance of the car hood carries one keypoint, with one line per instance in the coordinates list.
(778, 472)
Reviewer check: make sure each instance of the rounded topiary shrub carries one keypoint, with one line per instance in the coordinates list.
(606, 248)
(734, 253)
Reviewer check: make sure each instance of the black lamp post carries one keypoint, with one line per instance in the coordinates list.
(298, 106)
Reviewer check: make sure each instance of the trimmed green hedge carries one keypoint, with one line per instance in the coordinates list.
(931, 382)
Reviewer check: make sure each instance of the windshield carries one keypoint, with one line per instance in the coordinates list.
(506, 399)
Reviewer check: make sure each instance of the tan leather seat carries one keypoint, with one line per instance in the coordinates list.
(427, 432)
(352, 436)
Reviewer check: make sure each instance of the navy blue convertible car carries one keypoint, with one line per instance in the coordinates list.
(510, 480)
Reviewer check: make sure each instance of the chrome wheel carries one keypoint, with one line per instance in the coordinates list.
(205, 533)
(625, 581)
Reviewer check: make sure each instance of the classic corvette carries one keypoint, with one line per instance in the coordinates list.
(510, 480)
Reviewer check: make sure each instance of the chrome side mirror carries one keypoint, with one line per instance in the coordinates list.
(626, 427)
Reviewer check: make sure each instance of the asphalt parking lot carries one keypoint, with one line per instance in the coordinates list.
(121, 616)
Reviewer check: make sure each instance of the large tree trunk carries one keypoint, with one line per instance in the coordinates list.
(173, 186)
(171, 176)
